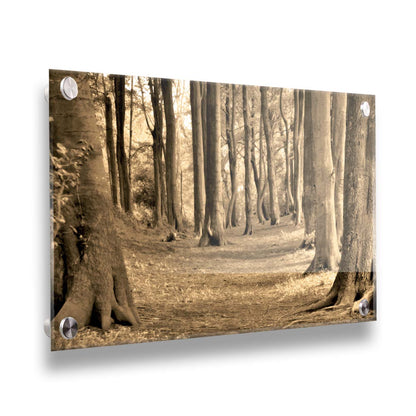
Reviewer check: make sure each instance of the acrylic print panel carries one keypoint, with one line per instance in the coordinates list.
(185, 209)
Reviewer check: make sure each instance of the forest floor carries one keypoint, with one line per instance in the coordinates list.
(253, 283)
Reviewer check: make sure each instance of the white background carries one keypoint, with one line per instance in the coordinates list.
(353, 46)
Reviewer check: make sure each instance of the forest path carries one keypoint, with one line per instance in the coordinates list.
(181, 290)
(269, 249)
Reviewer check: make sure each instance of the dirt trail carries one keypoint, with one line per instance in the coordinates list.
(181, 290)
(269, 249)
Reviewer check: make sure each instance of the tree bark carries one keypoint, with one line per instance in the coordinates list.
(109, 140)
(247, 154)
(274, 204)
(213, 232)
(198, 157)
(93, 271)
(356, 276)
(157, 134)
(264, 214)
(231, 219)
(173, 196)
(327, 251)
(131, 126)
(298, 154)
(257, 173)
(338, 119)
(309, 189)
(289, 195)
(123, 174)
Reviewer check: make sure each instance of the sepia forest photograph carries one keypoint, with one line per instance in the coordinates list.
(183, 209)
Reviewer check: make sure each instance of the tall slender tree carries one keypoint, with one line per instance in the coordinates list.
(288, 183)
(309, 189)
(273, 202)
(130, 127)
(157, 135)
(231, 219)
(327, 251)
(298, 154)
(213, 232)
(257, 172)
(123, 174)
(198, 157)
(338, 119)
(173, 195)
(262, 212)
(247, 155)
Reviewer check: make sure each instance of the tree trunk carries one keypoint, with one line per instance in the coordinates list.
(259, 180)
(309, 189)
(339, 111)
(356, 276)
(327, 251)
(258, 173)
(298, 154)
(206, 231)
(289, 195)
(157, 134)
(94, 272)
(174, 208)
(123, 174)
(213, 232)
(198, 158)
(111, 156)
(274, 204)
(231, 220)
(131, 126)
(264, 214)
(247, 179)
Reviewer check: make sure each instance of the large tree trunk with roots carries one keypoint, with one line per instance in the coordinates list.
(157, 134)
(339, 111)
(298, 155)
(309, 189)
(173, 196)
(231, 219)
(274, 203)
(356, 276)
(247, 155)
(123, 172)
(288, 182)
(94, 286)
(327, 250)
(109, 141)
(198, 158)
(213, 231)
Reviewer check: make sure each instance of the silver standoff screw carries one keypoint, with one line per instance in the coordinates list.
(364, 307)
(365, 108)
(68, 327)
(69, 88)
(47, 327)
(46, 93)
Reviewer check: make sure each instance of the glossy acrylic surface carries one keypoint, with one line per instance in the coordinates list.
(185, 209)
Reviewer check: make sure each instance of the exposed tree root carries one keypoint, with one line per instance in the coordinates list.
(345, 293)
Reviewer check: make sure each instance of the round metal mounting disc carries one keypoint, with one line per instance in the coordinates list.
(47, 327)
(68, 327)
(69, 88)
(364, 307)
(365, 109)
